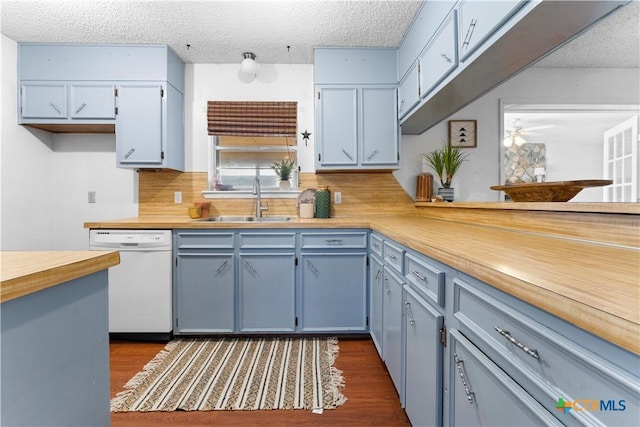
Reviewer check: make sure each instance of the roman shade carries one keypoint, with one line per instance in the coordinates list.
(255, 118)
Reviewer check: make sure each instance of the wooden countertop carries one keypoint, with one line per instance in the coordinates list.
(26, 272)
(592, 285)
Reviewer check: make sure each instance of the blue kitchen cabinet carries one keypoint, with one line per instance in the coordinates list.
(379, 140)
(376, 273)
(440, 57)
(204, 292)
(423, 360)
(336, 126)
(478, 20)
(480, 392)
(393, 319)
(422, 29)
(409, 91)
(333, 292)
(266, 293)
(43, 100)
(92, 100)
(204, 282)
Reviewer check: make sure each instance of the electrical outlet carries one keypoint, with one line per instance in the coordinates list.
(91, 197)
(337, 197)
(177, 197)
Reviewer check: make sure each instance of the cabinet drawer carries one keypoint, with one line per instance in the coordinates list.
(480, 391)
(425, 277)
(201, 240)
(267, 240)
(349, 240)
(376, 244)
(556, 366)
(393, 257)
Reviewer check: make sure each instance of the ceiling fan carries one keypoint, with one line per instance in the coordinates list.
(514, 134)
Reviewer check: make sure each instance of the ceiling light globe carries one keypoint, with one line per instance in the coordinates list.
(249, 66)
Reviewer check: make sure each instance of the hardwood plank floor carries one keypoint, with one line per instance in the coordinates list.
(372, 399)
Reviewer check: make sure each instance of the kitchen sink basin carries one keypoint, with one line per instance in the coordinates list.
(240, 218)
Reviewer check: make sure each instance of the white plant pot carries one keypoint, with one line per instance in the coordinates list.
(284, 185)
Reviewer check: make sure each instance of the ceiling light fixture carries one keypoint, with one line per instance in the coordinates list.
(249, 65)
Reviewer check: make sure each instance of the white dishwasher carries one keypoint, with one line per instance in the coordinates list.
(140, 291)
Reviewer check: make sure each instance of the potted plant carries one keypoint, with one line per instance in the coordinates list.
(283, 170)
(446, 162)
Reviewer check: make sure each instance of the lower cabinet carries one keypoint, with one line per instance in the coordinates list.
(267, 292)
(376, 296)
(333, 292)
(423, 361)
(204, 297)
(483, 395)
(392, 318)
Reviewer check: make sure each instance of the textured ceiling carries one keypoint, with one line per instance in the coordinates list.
(219, 31)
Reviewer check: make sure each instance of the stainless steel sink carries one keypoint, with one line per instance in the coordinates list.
(240, 218)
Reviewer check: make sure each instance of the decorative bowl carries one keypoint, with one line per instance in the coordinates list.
(555, 191)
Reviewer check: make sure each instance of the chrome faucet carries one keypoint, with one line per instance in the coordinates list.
(257, 192)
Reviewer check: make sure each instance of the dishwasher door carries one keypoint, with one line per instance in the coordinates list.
(140, 287)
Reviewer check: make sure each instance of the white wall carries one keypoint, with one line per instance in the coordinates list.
(482, 170)
(223, 82)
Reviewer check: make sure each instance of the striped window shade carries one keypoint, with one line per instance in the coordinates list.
(255, 118)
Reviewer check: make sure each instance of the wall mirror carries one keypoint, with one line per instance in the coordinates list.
(566, 142)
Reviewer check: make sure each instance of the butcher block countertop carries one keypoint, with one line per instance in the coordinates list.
(595, 286)
(26, 272)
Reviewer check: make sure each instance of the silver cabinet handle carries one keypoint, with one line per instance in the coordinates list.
(530, 351)
(378, 274)
(347, 154)
(392, 257)
(222, 267)
(55, 107)
(313, 268)
(401, 105)
(80, 108)
(372, 155)
(419, 276)
(250, 267)
(333, 242)
(387, 290)
(446, 58)
(467, 37)
(463, 377)
(129, 153)
(376, 246)
(407, 306)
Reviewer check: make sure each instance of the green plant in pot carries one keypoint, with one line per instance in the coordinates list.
(283, 170)
(446, 162)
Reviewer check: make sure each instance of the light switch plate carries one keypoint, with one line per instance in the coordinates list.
(177, 197)
(91, 197)
(337, 197)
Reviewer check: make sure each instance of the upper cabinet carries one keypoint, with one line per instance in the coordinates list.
(356, 109)
(464, 49)
(135, 91)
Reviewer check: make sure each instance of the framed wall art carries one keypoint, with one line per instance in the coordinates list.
(462, 133)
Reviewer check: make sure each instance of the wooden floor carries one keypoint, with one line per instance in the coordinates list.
(372, 399)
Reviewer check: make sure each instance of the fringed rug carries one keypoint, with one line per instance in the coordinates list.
(237, 374)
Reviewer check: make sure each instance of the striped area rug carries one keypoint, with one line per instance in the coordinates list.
(237, 374)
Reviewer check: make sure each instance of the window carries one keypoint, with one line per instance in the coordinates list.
(246, 138)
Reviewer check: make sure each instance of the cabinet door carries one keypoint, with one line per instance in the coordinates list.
(204, 289)
(333, 292)
(392, 328)
(439, 58)
(266, 292)
(379, 125)
(43, 100)
(480, 19)
(139, 127)
(375, 302)
(92, 101)
(408, 91)
(480, 391)
(336, 125)
(423, 362)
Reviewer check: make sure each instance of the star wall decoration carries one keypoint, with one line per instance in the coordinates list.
(305, 136)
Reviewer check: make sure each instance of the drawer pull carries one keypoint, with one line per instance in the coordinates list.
(392, 257)
(378, 274)
(334, 242)
(530, 351)
(419, 276)
(375, 246)
(250, 267)
(222, 267)
(313, 268)
(410, 318)
(463, 377)
(387, 290)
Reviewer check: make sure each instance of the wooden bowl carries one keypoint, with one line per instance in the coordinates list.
(557, 191)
